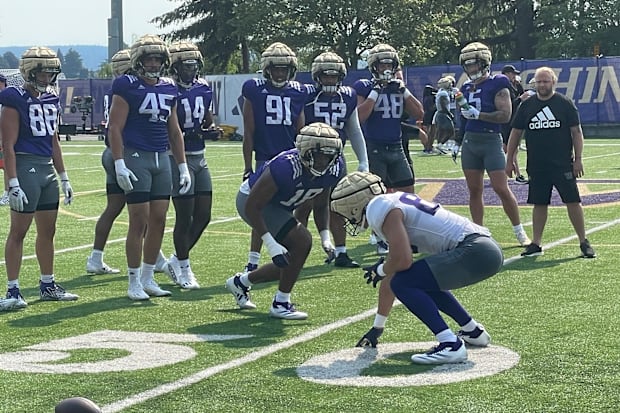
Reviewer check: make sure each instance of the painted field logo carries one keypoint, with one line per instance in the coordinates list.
(345, 367)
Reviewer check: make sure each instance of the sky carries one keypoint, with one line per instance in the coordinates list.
(76, 22)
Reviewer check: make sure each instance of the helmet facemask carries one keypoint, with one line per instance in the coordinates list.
(476, 54)
(149, 46)
(383, 54)
(186, 72)
(319, 146)
(39, 60)
(328, 64)
(279, 55)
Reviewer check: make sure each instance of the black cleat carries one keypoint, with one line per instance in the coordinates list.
(344, 261)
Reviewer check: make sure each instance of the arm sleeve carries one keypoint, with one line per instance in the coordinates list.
(354, 133)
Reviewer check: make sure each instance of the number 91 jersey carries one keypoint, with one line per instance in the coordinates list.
(430, 227)
(150, 107)
(38, 119)
(276, 111)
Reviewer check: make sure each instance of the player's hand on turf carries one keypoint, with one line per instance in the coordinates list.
(371, 338)
(330, 250)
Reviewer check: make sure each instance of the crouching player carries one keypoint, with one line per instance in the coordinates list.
(460, 253)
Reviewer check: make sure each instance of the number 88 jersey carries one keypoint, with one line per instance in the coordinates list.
(38, 119)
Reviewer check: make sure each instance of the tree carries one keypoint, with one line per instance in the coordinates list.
(11, 60)
(73, 65)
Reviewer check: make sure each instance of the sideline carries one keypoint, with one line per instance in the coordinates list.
(258, 354)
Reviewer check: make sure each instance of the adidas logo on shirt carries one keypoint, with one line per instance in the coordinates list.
(32, 170)
(135, 155)
(544, 120)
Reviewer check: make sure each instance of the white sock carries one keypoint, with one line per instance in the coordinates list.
(283, 297)
(147, 272)
(133, 274)
(254, 257)
(12, 284)
(517, 228)
(47, 278)
(471, 326)
(446, 336)
(96, 256)
(340, 250)
(245, 279)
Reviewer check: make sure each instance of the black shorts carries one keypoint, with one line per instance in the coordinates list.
(541, 186)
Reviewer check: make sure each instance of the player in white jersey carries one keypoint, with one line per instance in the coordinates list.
(459, 253)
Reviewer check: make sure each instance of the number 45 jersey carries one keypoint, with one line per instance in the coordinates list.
(38, 119)
(150, 106)
(430, 227)
(276, 111)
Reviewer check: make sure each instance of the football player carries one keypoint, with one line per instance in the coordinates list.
(266, 201)
(273, 114)
(143, 125)
(336, 105)
(488, 106)
(115, 196)
(31, 154)
(193, 208)
(458, 253)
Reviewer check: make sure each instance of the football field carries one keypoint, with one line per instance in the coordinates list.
(553, 319)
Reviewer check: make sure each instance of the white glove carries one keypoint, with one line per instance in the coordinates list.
(470, 113)
(363, 167)
(124, 176)
(279, 254)
(185, 179)
(328, 247)
(66, 187)
(17, 197)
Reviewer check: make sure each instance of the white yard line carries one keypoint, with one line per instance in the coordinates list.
(266, 351)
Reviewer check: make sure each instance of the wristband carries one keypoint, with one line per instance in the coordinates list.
(373, 95)
(268, 238)
(324, 235)
(380, 270)
(63, 176)
(13, 182)
(119, 164)
(407, 93)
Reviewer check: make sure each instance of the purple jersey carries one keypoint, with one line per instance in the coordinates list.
(150, 106)
(294, 182)
(383, 124)
(38, 119)
(333, 109)
(482, 97)
(276, 111)
(192, 106)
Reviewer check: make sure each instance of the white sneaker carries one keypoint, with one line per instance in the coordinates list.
(152, 288)
(99, 268)
(523, 239)
(188, 281)
(286, 311)
(477, 337)
(161, 264)
(4, 200)
(240, 292)
(444, 353)
(7, 304)
(135, 291)
(173, 269)
(373, 239)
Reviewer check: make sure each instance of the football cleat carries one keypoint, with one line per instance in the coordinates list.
(523, 238)
(249, 267)
(286, 311)
(99, 268)
(521, 180)
(15, 294)
(344, 261)
(477, 337)
(7, 304)
(371, 338)
(135, 291)
(151, 287)
(382, 248)
(188, 281)
(444, 353)
(240, 292)
(532, 250)
(173, 269)
(54, 292)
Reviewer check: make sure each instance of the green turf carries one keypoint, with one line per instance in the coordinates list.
(558, 312)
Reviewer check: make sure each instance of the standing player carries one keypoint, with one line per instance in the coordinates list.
(336, 105)
(115, 196)
(143, 126)
(266, 201)
(489, 106)
(459, 253)
(193, 208)
(31, 153)
(554, 142)
(273, 113)
(4, 200)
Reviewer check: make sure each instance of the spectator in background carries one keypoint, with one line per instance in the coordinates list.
(143, 126)
(31, 154)
(488, 106)
(273, 113)
(554, 142)
(516, 90)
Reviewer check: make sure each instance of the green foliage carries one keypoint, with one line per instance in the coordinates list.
(73, 67)
(11, 60)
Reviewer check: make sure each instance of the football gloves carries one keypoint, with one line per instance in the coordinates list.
(66, 188)
(455, 152)
(371, 338)
(330, 250)
(372, 273)
(17, 197)
(470, 113)
(246, 174)
(124, 175)
(185, 179)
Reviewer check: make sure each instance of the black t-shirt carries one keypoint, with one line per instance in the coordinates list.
(547, 132)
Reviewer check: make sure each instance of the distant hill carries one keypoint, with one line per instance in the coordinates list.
(92, 56)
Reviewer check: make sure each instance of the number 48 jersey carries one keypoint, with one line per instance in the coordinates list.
(276, 111)
(430, 227)
(38, 119)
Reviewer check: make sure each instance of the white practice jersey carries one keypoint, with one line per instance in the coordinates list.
(431, 228)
